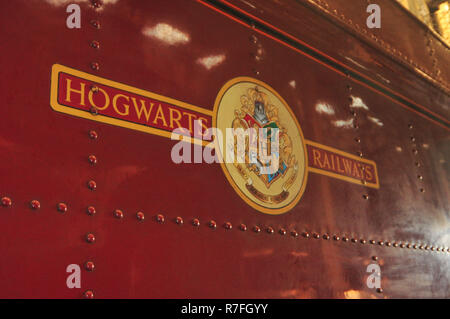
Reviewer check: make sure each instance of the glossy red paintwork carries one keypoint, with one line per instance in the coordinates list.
(172, 253)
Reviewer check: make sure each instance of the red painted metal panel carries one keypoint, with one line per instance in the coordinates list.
(45, 157)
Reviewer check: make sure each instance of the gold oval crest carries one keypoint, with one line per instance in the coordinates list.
(245, 102)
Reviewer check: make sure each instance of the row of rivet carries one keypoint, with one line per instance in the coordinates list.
(282, 231)
(415, 151)
(393, 52)
(431, 52)
(257, 55)
(92, 159)
(357, 139)
(375, 258)
(140, 216)
(90, 238)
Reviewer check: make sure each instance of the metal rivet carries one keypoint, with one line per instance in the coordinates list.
(402, 245)
(93, 135)
(413, 139)
(94, 89)
(410, 126)
(195, 222)
(269, 230)
(92, 185)
(179, 221)
(243, 227)
(372, 241)
(417, 164)
(365, 196)
(420, 247)
(62, 207)
(228, 226)
(360, 154)
(95, 44)
(345, 239)
(294, 233)
(379, 290)
(316, 236)
(140, 216)
(6, 202)
(95, 24)
(96, 4)
(256, 229)
(388, 243)
(381, 243)
(95, 66)
(354, 240)
(256, 72)
(375, 258)
(358, 140)
(362, 241)
(91, 210)
(160, 218)
(212, 224)
(409, 246)
(92, 159)
(305, 234)
(93, 110)
(118, 214)
(326, 237)
(415, 246)
(35, 204)
(336, 238)
(420, 177)
(422, 190)
(253, 38)
(88, 294)
(415, 151)
(282, 231)
(90, 238)
(395, 244)
(89, 266)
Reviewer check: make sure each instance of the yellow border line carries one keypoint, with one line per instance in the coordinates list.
(57, 68)
(343, 177)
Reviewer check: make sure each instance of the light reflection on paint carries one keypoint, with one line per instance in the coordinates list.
(258, 253)
(299, 254)
(352, 294)
(357, 102)
(375, 120)
(324, 108)
(398, 149)
(167, 34)
(293, 84)
(249, 4)
(211, 61)
(355, 63)
(66, 2)
(383, 78)
(343, 123)
(426, 146)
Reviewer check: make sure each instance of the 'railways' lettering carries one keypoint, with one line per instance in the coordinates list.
(345, 165)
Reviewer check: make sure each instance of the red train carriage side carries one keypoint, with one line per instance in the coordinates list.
(93, 204)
